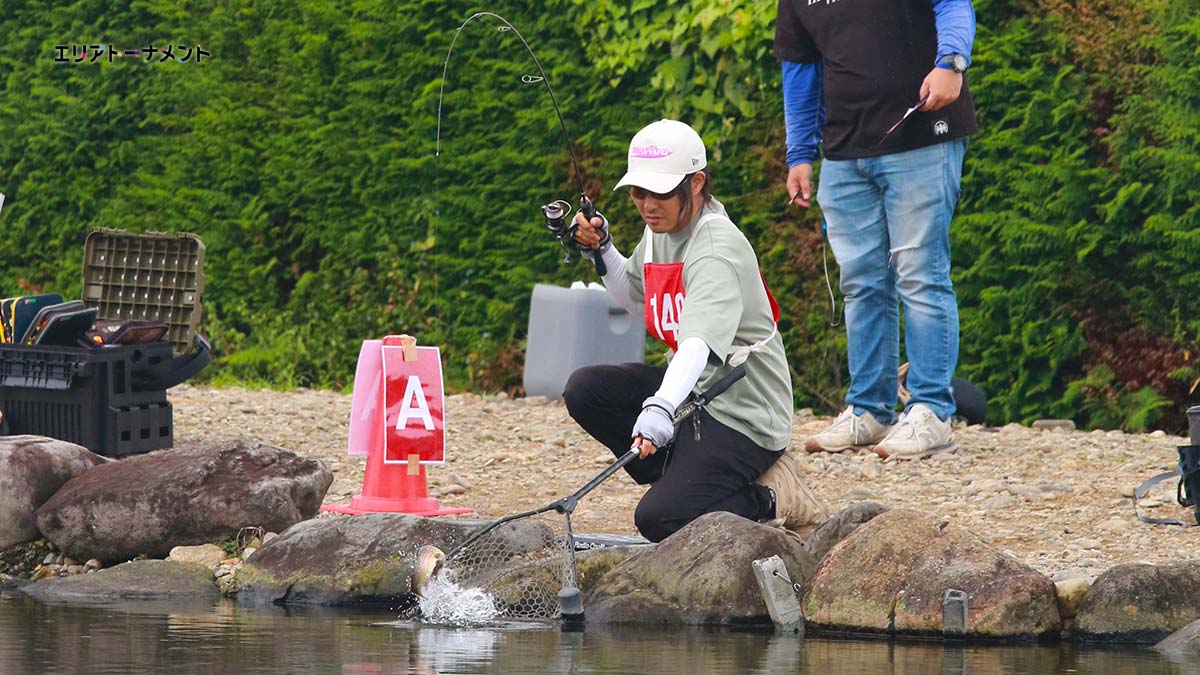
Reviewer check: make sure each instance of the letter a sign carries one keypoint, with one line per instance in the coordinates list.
(414, 405)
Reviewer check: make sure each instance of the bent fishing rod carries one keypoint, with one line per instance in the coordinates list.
(557, 212)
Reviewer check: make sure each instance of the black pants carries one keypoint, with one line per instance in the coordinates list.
(687, 479)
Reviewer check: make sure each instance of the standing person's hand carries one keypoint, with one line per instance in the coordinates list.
(799, 185)
(942, 86)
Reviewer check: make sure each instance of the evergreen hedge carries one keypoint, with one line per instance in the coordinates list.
(302, 151)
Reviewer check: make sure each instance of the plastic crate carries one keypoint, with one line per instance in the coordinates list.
(112, 400)
(92, 397)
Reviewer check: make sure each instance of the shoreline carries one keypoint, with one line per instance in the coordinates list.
(1055, 500)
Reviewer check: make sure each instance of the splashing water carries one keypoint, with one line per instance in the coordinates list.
(446, 603)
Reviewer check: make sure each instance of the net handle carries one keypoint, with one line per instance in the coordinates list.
(567, 505)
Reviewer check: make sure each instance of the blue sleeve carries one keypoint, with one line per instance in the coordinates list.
(803, 111)
(955, 21)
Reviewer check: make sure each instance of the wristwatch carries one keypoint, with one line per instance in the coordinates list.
(956, 62)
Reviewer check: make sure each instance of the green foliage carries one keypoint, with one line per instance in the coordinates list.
(1105, 404)
(303, 153)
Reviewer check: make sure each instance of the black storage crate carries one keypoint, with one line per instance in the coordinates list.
(91, 397)
(113, 400)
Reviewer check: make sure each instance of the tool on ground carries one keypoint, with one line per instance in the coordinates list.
(1187, 490)
(903, 117)
(542, 557)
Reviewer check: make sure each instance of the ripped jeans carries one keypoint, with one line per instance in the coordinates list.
(888, 221)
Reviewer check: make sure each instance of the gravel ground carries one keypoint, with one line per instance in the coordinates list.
(1058, 500)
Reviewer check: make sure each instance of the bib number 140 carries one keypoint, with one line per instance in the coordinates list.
(666, 310)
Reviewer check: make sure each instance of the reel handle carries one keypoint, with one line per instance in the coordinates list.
(589, 211)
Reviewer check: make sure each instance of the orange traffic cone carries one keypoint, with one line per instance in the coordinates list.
(388, 487)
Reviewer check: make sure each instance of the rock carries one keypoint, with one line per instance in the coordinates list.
(839, 526)
(1054, 425)
(208, 555)
(1089, 543)
(32, 469)
(999, 502)
(7, 582)
(49, 559)
(1140, 602)
(360, 559)
(1070, 595)
(1114, 524)
(1158, 433)
(985, 486)
(521, 592)
(93, 564)
(453, 489)
(890, 575)
(151, 503)
(248, 551)
(1183, 643)
(75, 569)
(699, 575)
(136, 580)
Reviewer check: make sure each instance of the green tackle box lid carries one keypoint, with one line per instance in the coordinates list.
(146, 277)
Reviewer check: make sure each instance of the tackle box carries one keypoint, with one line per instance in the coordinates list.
(112, 399)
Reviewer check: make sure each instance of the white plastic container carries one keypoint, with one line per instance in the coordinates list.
(570, 328)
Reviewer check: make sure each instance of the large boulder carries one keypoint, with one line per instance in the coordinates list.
(891, 575)
(699, 575)
(151, 503)
(840, 526)
(32, 469)
(1140, 602)
(365, 559)
(135, 580)
(1183, 644)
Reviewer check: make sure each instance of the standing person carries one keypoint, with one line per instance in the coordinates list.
(696, 280)
(851, 69)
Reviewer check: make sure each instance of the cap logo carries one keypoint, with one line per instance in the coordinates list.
(649, 152)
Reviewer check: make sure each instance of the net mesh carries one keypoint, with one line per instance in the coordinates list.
(521, 565)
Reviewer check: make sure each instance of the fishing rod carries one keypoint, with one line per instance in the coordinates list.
(556, 212)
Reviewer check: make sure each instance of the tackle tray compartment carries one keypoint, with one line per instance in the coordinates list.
(112, 399)
(146, 277)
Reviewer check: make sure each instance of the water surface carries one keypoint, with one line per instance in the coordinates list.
(152, 637)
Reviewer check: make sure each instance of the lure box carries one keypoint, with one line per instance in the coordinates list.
(112, 399)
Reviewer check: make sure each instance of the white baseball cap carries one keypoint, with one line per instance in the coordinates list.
(661, 154)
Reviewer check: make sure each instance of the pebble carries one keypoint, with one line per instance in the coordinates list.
(1054, 425)
(999, 502)
(247, 552)
(985, 486)
(1115, 524)
(49, 559)
(1089, 543)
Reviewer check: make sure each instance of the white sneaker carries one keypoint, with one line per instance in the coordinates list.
(848, 431)
(919, 433)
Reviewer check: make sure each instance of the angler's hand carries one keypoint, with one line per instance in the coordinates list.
(799, 185)
(942, 86)
(655, 426)
(594, 233)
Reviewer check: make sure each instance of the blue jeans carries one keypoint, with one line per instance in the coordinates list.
(888, 221)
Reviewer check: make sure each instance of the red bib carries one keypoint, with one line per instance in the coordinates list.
(663, 303)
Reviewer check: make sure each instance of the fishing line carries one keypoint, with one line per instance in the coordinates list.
(504, 27)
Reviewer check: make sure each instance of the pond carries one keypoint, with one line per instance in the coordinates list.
(154, 637)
